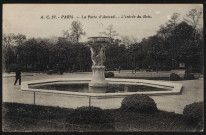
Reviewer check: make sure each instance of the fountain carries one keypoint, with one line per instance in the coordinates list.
(97, 86)
(97, 47)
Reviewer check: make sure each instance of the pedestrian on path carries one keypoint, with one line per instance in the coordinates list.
(18, 76)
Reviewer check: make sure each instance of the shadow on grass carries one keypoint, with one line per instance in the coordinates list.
(23, 117)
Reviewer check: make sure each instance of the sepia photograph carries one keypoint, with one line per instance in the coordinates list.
(102, 68)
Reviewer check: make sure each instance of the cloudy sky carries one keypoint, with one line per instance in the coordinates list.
(31, 19)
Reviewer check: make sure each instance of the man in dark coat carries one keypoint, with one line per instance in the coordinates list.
(18, 77)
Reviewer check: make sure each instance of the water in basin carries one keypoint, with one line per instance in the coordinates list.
(84, 87)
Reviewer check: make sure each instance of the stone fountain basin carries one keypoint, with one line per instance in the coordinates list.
(175, 88)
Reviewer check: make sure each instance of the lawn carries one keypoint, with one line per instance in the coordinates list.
(24, 117)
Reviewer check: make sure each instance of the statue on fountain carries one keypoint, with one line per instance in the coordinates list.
(98, 55)
(97, 48)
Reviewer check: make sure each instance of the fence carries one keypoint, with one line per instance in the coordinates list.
(84, 96)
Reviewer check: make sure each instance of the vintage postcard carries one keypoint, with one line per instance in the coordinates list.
(102, 67)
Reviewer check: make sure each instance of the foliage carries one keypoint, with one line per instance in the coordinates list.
(114, 57)
(26, 117)
(135, 54)
(128, 40)
(89, 115)
(138, 103)
(41, 55)
(175, 42)
(110, 32)
(109, 74)
(10, 49)
(33, 111)
(193, 17)
(76, 31)
(193, 113)
(8, 58)
(174, 77)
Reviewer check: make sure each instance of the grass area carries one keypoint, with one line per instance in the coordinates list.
(146, 78)
(153, 78)
(24, 117)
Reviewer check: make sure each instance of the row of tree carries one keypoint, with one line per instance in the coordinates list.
(175, 42)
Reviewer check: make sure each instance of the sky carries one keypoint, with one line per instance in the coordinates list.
(32, 19)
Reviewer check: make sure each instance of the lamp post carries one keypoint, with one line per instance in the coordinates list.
(97, 47)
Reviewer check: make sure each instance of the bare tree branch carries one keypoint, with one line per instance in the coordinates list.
(76, 31)
(110, 32)
(193, 17)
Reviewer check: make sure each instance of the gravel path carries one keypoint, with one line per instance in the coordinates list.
(192, 92)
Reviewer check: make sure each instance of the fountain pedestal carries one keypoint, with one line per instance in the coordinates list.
(98, 78)
(97, 48)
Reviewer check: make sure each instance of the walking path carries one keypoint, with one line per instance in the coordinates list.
(139, 74)
(192, 92)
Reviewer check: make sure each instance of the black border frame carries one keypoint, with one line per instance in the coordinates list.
(105, 2)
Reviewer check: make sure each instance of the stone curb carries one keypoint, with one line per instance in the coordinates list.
(176, 87)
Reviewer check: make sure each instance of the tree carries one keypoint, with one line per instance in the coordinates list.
(8, 40)
(6, 50)
(127, 40)
(20, 39)
(8, 58)
(193, 17)
(66, 33)
(76, 31)
(83, 58)
(135, 54)
(166, 30)
(31, 51)
(110, 32)
(174, 19)
(11, 42)
(66, 36)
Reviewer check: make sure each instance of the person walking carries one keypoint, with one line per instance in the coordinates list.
(18, 76)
